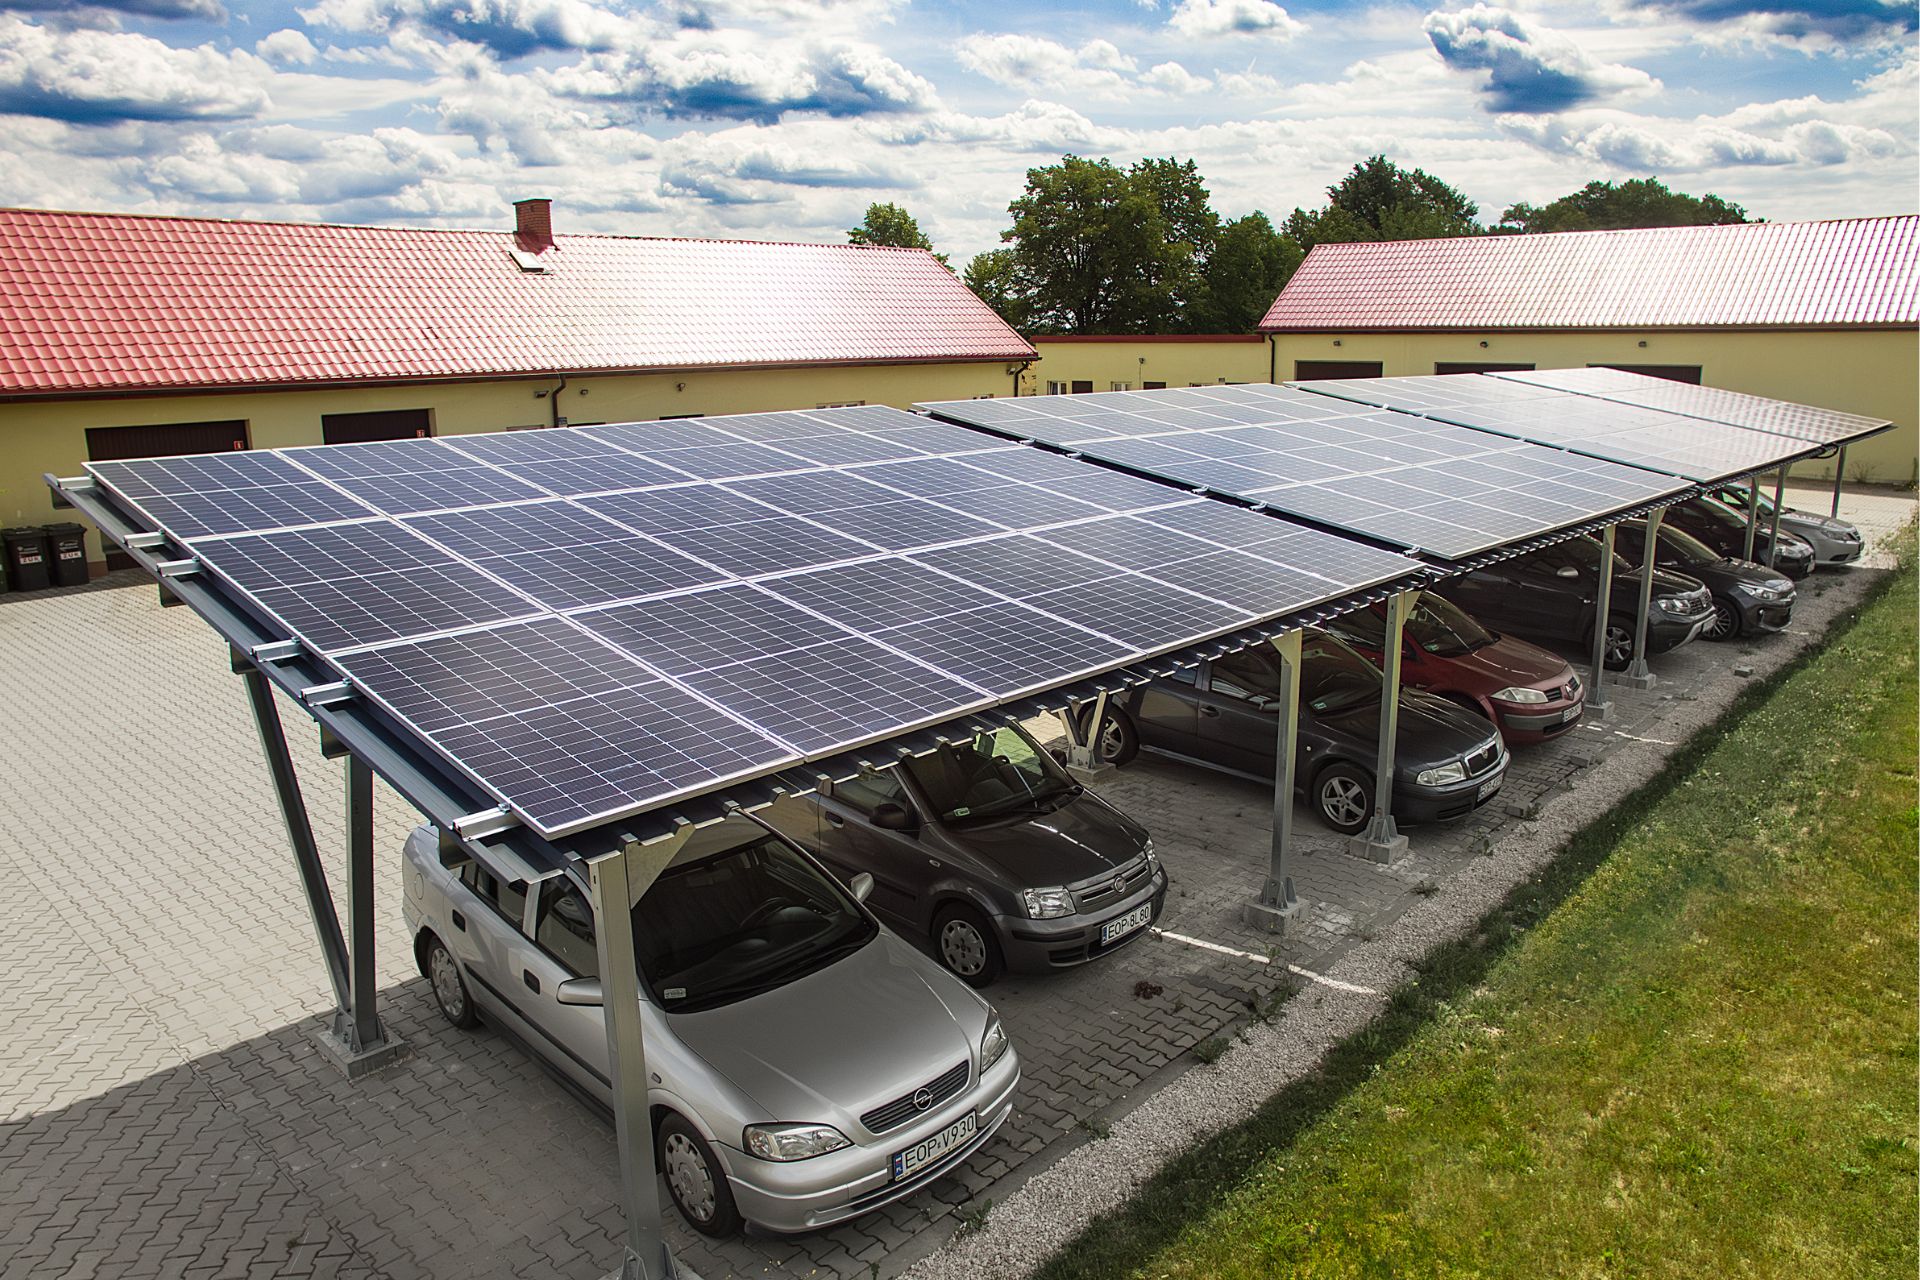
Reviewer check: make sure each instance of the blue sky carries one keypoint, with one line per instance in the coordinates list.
(784, 118)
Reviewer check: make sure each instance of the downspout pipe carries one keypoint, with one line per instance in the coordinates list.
(1273, 359)
(553, 402)
(1016, 371)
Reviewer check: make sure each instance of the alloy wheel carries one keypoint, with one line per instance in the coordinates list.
(1343, 800)
(1618, 645)
(962, 948)
(688, 1177)
(1725, 624)
(1111, 742)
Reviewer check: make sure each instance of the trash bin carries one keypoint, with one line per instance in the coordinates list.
(67, 554)
(27, 568)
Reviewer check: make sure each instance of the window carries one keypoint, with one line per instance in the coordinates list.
(509, 899)
(381, 424)
(1671, 372)
(1153, 386)
(992, 775)
(1185, 675)
(675, 417)
(1364, 627)
(872, 789)
(1056, 388)
(1253, 672)
(564, 928)
(1312, 370)
(1119, 386)
(1082, 386)
(840, 404)
(1481, 366)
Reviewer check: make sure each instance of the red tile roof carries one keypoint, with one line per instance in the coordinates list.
(103, 302)
(1853, 273)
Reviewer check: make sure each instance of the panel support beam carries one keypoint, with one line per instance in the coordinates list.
(1638, 675)
(1753, 516)
(1599, 703)
(1773, 533)
(1083, 737)
(617, 882)
(1382, 841)
(354, 1038)
(1276, 909)
(1839, 473)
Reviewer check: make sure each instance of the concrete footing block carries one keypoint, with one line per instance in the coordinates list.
(1385, 852)
(358, 1064)
(1634, 679)
(1277, 920)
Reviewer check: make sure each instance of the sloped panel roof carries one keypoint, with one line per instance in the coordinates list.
(1851, 273)
(96, 302)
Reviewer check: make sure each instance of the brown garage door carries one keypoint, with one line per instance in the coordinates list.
(167, 440)
(1479, 366)
(1311, 370)
(382, 424)
(1671, 372)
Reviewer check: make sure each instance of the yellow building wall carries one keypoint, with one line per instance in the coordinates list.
(1872, 372)
(1178, 362)
(50, 436)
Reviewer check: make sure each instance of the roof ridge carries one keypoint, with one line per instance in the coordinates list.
(1534, 237)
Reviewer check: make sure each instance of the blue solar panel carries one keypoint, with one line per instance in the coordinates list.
(221, 493)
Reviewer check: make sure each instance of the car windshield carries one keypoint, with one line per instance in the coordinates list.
(1684, 547)
(739, 923)
(989, 776)
(1334, 677)
(1443, 629)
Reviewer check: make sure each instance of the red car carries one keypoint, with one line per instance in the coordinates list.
(1530, 693)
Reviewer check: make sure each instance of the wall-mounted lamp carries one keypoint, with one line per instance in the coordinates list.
(583, 391)
(1483, 344)
(679, 386)
(1336, 342)
(1643, 342)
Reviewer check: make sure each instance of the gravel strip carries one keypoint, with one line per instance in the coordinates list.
(1057, 1204)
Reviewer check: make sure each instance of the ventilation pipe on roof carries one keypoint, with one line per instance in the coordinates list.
(533, 224)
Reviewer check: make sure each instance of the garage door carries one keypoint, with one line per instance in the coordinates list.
(109, 444)
(1671, 372)
(1312, 370)
(382, 424)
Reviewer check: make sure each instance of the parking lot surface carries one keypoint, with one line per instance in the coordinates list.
(164, 1111)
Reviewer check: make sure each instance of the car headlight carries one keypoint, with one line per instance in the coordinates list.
(1455, 772)
(993, 1043)
(1153, 859)
(786, 1142)
(1045, 904)
(1531, 697)
(1759, 592)
(1671, 604)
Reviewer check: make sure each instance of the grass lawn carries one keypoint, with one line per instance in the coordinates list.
(1686, 1049)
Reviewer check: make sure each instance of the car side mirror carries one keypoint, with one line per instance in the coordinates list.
(861, 886)
(1059, 754)
(892, 817)
(584, 992)
(1566, 571)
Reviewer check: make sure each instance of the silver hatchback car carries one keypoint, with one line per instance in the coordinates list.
(807, 1065)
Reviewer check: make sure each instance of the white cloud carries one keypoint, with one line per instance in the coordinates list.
(287, 48)
(510, 28)
(1529, 69)
(86, 76)
(1210, 19)
(1096, 69)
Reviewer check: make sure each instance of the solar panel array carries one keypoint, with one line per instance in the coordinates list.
(593, 622)
(1654, 439)
(1735, 408)
(1418, 483)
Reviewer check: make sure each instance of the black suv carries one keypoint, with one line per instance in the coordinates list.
(1747, 597)
(1550, 594)
(1725, 530)
(1223, 714)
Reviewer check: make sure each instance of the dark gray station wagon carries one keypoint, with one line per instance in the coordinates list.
(991, 851)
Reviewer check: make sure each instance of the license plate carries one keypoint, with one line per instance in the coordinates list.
(931, 1150)
(1488, 788)
(1571, 713)
(1121, 926)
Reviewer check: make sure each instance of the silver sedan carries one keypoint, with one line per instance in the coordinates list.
(807, 1065)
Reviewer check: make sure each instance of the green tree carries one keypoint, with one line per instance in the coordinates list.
(1093, 250)
(995, 277)
(1244, 273)
(889, 224)
(1641, 202)
(1378, 200)
(1174, 278)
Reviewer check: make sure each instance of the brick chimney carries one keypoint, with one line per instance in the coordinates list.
(533, 224)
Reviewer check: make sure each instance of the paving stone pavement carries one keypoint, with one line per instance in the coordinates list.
(164, 1111)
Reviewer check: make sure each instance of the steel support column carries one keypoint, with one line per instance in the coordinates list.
(1082, 756)
(1276, 909)
(1773, 533)
(1599, 704)
(358, 1026)
(1753, 516)
(1637, 674)
(1839, 471)
(617, 882)
(1382, 841)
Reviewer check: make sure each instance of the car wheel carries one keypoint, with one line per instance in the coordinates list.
(966, 945)
(1726, 620)
(695, 1179)
(1616, 646)
(449, 987)
(1117, 742)
(1343, 797)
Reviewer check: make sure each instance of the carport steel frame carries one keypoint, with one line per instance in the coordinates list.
(610, 861)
